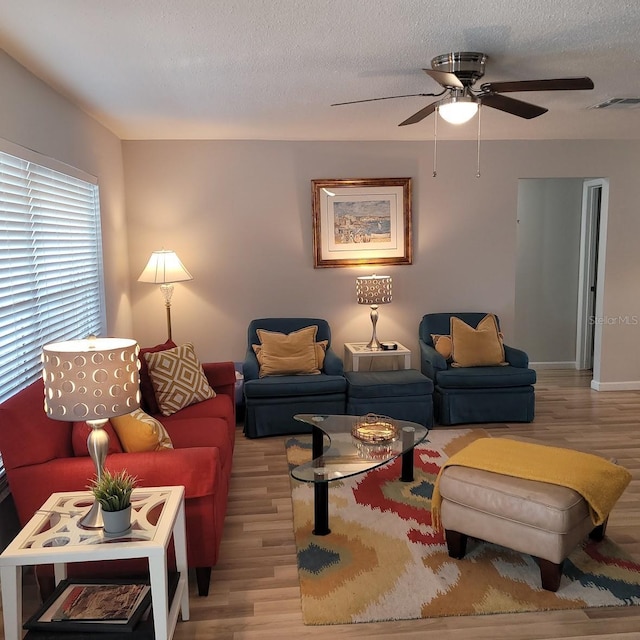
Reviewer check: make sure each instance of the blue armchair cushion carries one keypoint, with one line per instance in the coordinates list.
(485, 377)
(292, 386)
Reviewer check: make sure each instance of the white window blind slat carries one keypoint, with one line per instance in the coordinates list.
(51, 282)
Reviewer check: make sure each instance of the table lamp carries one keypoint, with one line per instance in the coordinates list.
(164, 268)
(373, 290)
(91, 380)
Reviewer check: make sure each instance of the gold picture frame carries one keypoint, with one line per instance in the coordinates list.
(365, 221)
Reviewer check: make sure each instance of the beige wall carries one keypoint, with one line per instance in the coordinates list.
(34, 116)
(239, 215)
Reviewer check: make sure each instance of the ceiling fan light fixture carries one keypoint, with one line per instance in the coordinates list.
(458, 109)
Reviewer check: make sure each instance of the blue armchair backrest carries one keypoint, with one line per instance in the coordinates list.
(439, 323)
(287, 325)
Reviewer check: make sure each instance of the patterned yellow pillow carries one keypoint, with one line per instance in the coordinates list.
(138, 431)
(178, 378)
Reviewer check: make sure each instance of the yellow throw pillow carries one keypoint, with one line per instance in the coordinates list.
(480, 347)
(139, 431)
(295, 353)
(320, 347)
(178, 378)
(442, 344)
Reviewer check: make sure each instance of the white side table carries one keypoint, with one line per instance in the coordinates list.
(53, 536)
(353, 351)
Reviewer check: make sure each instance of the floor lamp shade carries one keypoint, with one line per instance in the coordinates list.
(165, 268)
(373, 290)
(91, 380)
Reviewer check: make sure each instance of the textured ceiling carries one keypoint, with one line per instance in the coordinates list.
(270, 69)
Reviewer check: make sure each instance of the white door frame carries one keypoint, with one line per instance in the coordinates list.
(592, 242)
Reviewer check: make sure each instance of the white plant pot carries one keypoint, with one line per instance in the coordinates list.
(116, 523)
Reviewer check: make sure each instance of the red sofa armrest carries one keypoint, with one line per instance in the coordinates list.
(222, 377)
(197, 469)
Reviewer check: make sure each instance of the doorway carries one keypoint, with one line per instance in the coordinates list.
(560, 244)
(595, 198)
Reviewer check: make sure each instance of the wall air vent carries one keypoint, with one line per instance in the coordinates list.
(618, 103)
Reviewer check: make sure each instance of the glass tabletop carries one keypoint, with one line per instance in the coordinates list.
(353, 446)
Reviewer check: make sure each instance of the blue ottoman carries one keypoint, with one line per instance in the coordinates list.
(405, 394)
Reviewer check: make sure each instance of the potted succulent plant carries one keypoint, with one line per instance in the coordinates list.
(113, 492)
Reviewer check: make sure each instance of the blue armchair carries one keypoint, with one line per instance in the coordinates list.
(272, 401)
(475, 394)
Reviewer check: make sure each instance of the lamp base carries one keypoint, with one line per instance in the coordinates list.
(98, 445)
(93, 518)
(374, 343)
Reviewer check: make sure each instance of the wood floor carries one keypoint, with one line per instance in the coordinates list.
(254, 588)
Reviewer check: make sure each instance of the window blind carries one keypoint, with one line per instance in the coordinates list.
(51, 285)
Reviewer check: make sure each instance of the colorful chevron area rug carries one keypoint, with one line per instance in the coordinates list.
(384, 561)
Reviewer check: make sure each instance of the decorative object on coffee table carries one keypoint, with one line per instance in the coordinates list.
(374, 435)
(374, 290)
(164, 268)
(113, 492)
(92, 380)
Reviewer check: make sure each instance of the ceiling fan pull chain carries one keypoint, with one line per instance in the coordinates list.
(435, 144)
(478, 158)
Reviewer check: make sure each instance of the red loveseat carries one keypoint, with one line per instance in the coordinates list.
(39, 458)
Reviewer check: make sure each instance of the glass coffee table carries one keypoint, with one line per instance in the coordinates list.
(356, 444)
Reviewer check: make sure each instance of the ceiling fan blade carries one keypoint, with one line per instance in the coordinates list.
(421, 115)
(556, 84)
(511, 105)
(445, 78)
(408, 95)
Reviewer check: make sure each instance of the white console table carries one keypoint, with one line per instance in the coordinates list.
(354, 351)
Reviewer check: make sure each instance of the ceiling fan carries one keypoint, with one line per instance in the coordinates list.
(458, 72)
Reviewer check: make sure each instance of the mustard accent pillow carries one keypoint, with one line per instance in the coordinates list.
(178, 378)
(479, 347)
(294, 353)
(320, 347)
(138, 431)
(442, 344)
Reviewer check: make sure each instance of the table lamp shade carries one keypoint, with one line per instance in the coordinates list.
(373, 289)
(92, 379)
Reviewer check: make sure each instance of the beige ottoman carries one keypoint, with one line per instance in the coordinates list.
(544, 520)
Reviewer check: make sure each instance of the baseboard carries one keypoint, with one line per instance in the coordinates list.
(631, 385)
(552, 365)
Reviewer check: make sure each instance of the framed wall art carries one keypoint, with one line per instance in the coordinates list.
(363, 221)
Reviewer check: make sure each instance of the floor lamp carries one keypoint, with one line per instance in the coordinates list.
(373, 290)
(164, 268)
(91, 380)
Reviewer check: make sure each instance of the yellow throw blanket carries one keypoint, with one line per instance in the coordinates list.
(597, 480)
